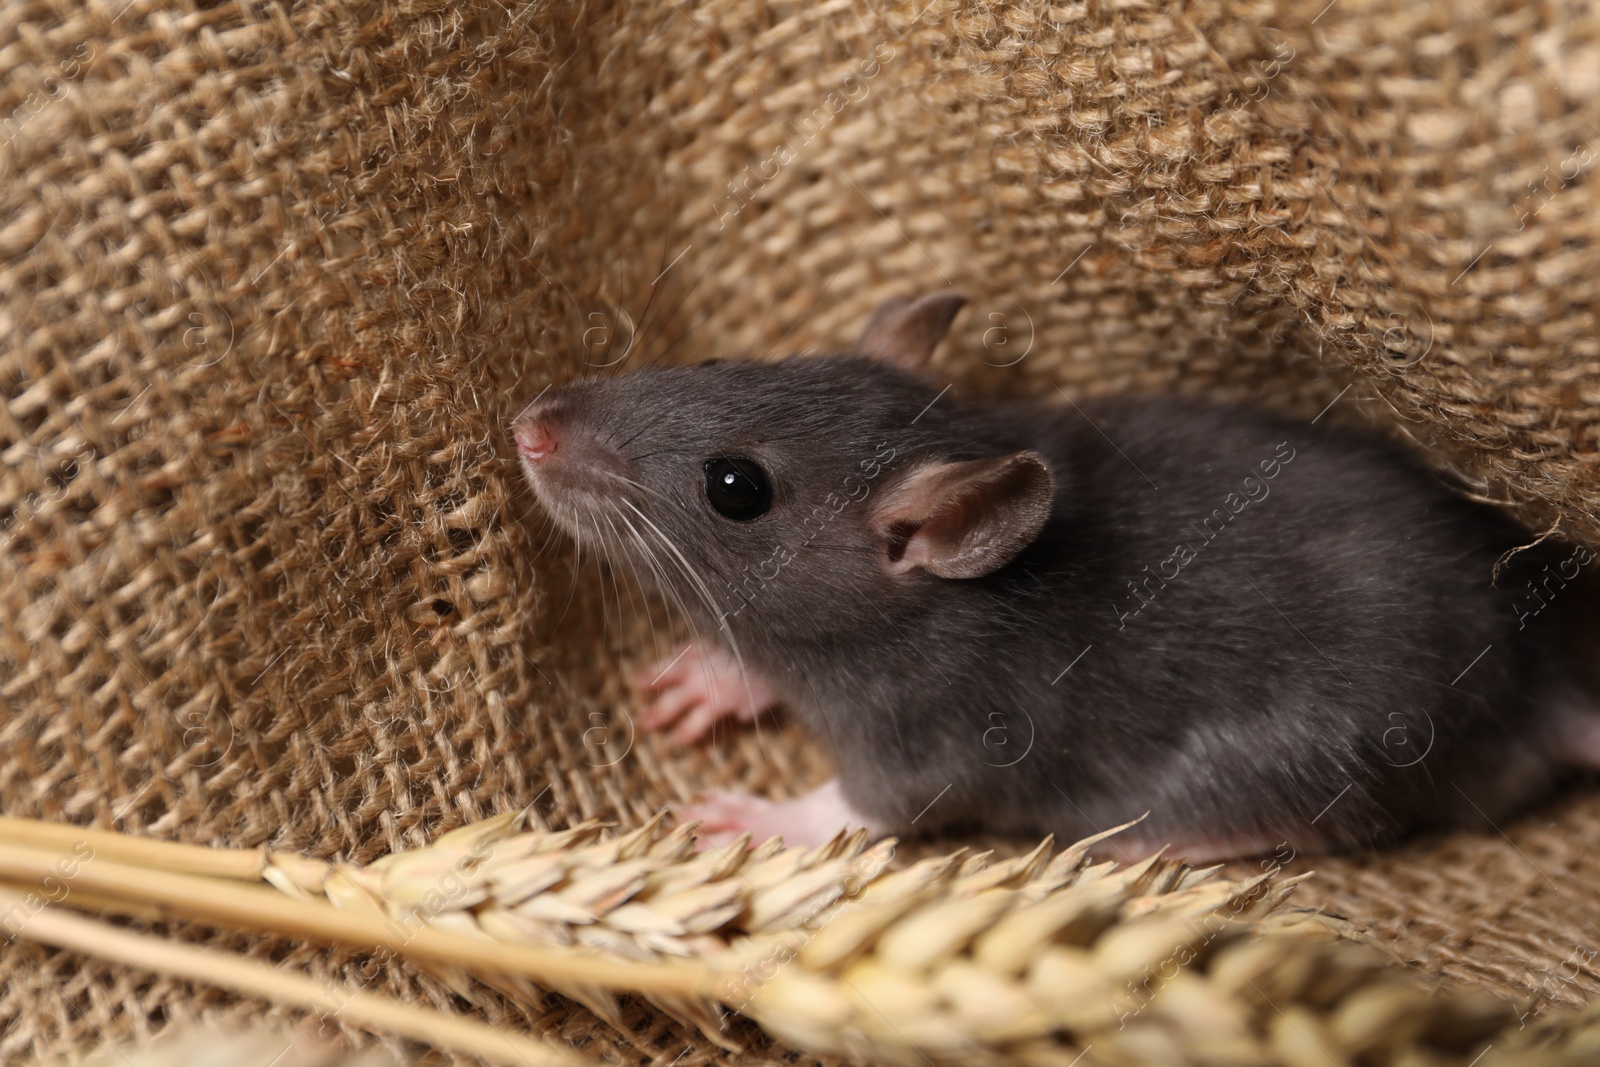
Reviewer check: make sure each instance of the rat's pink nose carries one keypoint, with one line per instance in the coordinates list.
(534, 439)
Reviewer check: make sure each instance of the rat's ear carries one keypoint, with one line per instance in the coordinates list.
(962, 520)
(905, 332)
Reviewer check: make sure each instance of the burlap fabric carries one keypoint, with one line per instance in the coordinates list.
(273, 276)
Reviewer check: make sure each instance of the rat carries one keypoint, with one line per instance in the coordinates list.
(1026, 617)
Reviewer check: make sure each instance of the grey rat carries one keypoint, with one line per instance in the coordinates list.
(1027, 617)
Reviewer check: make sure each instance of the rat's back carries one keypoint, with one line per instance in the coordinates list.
(1277, 631)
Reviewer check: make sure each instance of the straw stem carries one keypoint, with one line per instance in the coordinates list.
(51, 926)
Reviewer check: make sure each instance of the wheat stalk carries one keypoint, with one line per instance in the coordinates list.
(61, 929)
(1041, 959)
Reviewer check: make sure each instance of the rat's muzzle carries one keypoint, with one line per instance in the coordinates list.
(572, 469)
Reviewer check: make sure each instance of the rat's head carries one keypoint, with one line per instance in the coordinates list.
(779, 496)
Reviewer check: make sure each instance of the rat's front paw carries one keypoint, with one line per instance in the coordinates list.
(807, 821)
(698, 686)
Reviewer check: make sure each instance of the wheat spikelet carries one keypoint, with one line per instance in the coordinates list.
(640, 895)
(957, 959)
(636, 896)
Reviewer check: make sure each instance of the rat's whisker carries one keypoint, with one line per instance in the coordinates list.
(640, 605)
(600, 557)
(706, 563)
(656, 286)
(684, 300)
(577, 564)
(694, 577)
(667, 587)
(658, 494)
(696, 583)
(546, 530)
(634, 437)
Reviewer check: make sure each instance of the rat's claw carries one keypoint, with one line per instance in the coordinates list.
(696, 687)
(697, 722)
(668, 707)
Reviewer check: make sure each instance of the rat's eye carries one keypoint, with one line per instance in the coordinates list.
(737, 488)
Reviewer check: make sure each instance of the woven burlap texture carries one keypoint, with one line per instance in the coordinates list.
(274, 275)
